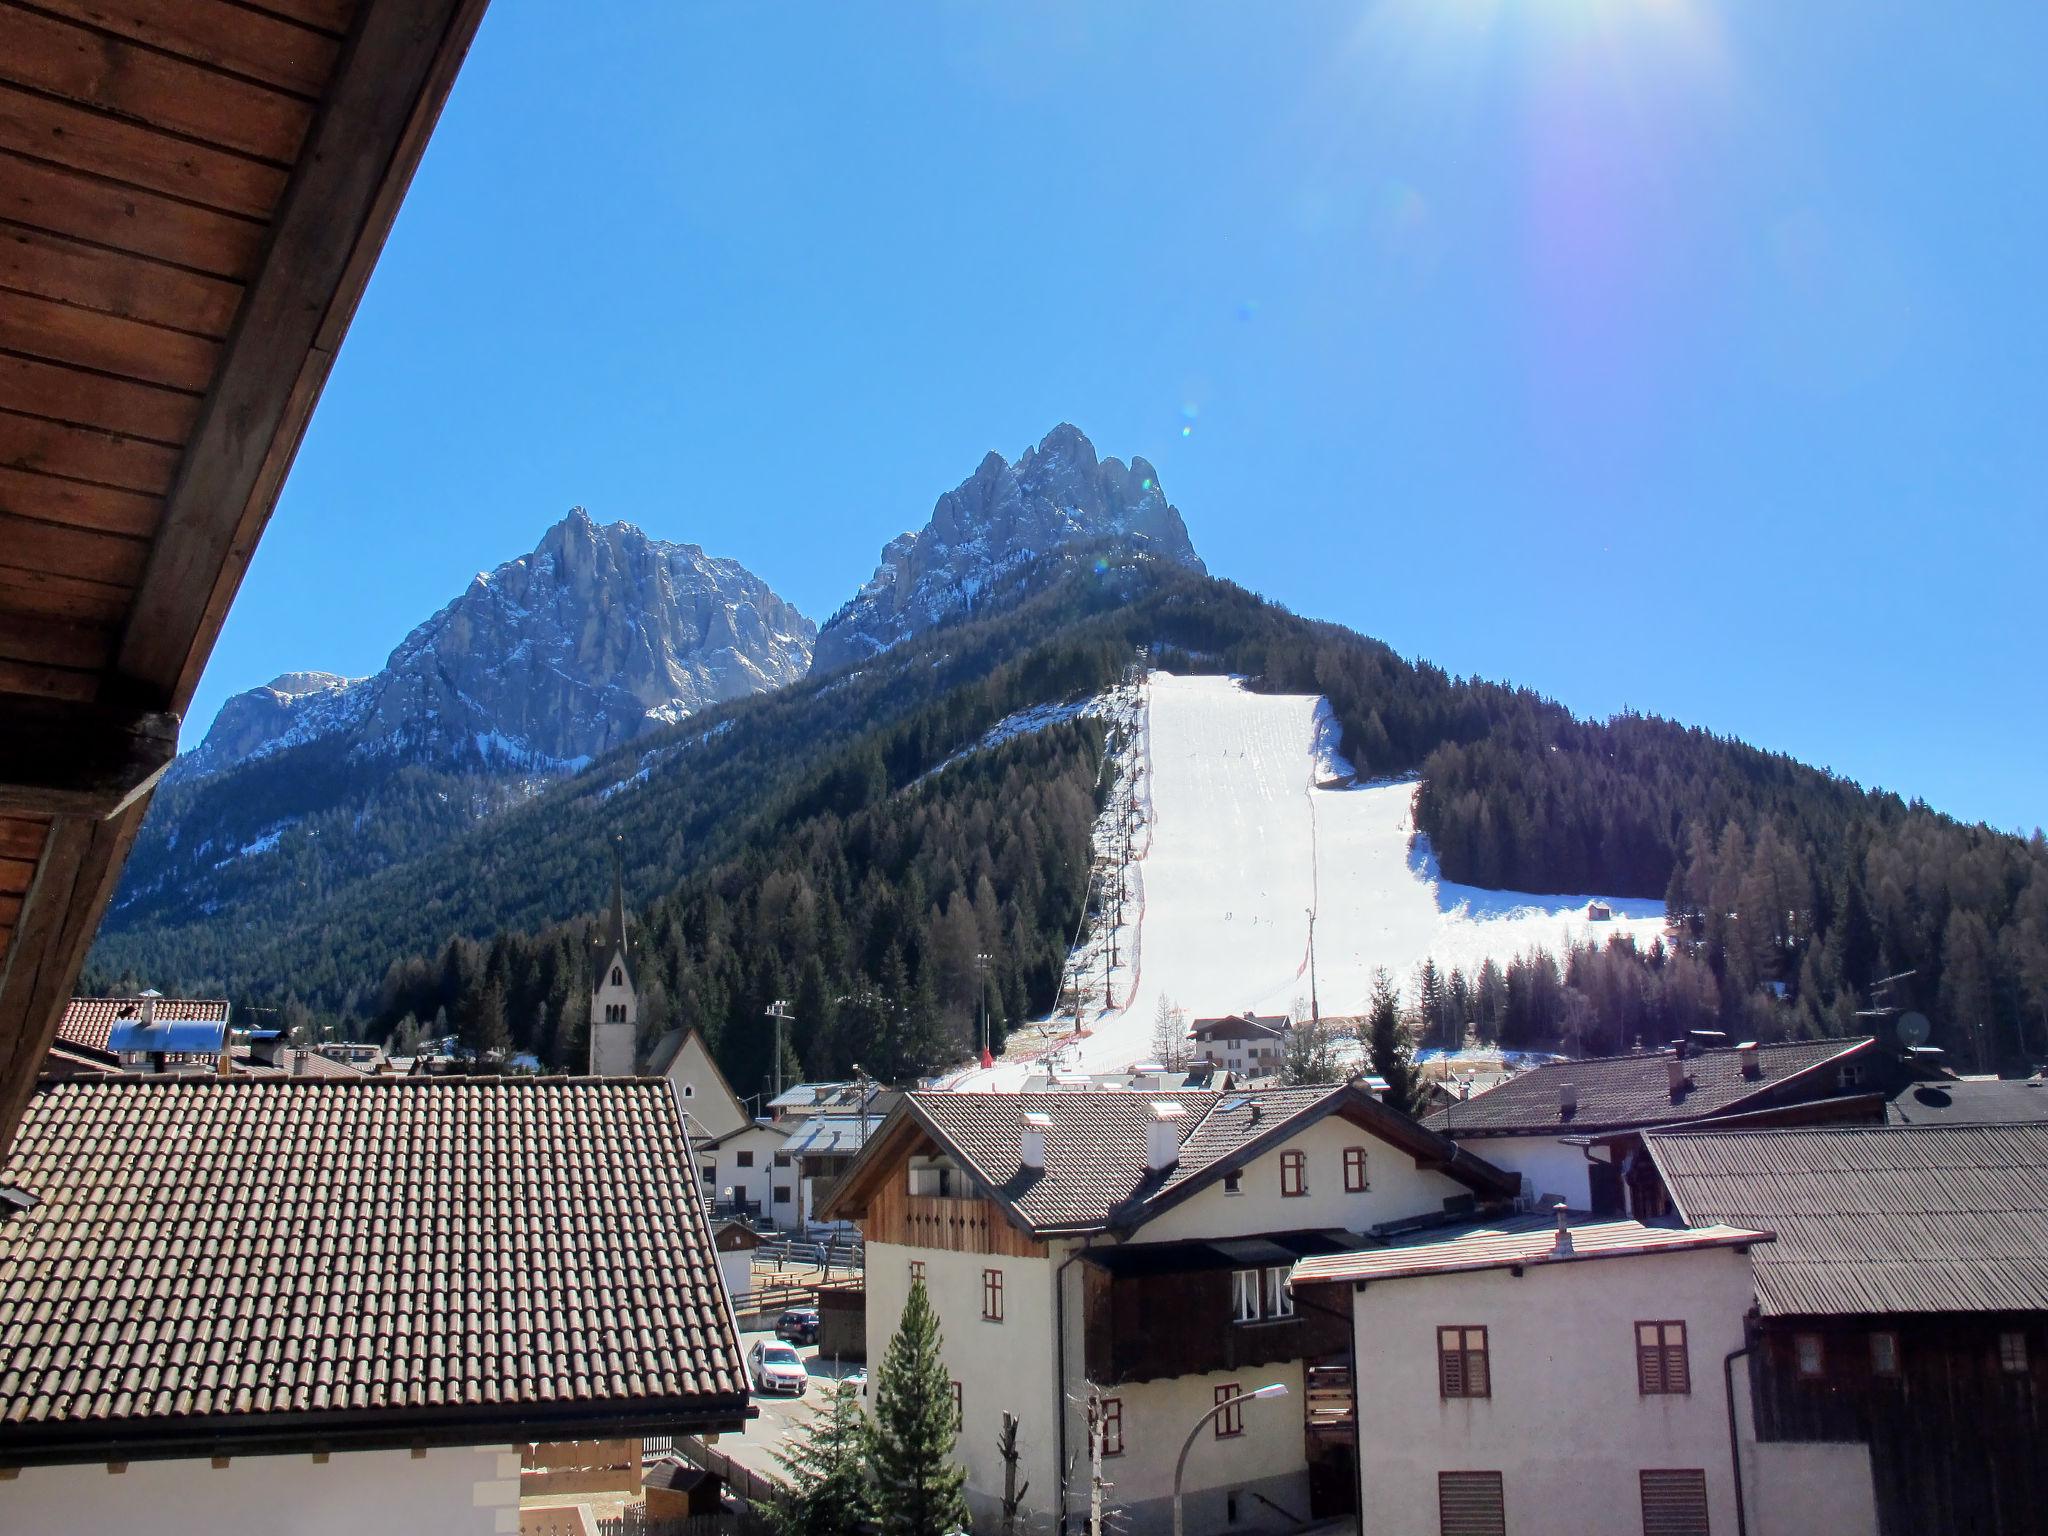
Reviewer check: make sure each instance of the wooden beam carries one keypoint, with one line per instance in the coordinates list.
(81, 859)
(358, 158)
(64, 758)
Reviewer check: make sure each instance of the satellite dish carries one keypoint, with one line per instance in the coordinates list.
(1914, 1029)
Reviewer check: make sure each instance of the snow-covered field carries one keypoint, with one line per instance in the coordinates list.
(1236, 846)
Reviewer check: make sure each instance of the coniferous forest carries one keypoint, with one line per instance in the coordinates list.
(797, 845)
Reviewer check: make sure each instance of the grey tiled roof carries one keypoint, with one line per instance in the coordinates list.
(1879, 1218)
(1618, 1092)
(247, 1255)
(1095, 1174)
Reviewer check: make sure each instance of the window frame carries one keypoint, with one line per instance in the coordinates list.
(781, 1194)
(1246, 1296)
(1293, 1170)
(916, 1270)
(1885, 1369)
(1230, 1422)
(1666, 1481)
(2012, 1352)
(1819, 1367)
(1279, 1300)
(1233, 1182)
(1464, 1353)
(1111, 1421)
(959, 1404)
(742, 1158)
(1654, 1359)
(992, 1295)
(1471, 1478)
(1357, 1173)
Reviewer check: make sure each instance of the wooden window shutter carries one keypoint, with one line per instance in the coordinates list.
(1470, 1504)
(1674, 1502)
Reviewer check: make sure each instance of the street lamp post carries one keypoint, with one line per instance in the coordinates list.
(1180, 1467)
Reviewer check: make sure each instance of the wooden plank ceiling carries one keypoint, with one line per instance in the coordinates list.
(192, 196)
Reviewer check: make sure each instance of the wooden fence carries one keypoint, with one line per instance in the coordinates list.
(579, 1466)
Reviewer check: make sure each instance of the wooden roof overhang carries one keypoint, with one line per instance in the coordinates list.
(192, 196)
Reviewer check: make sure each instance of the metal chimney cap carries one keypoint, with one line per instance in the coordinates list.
(1038, 1121)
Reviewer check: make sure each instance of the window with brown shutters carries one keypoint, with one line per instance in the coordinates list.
(1470, 1504)
(1231, 1420)
(1293, 1174)
(1662, 1366)
(1112, 1424)
(1462, 1369)
(1674, 1502)
(1354, 1171)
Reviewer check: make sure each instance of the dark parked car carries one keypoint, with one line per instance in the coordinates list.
(798, 1325)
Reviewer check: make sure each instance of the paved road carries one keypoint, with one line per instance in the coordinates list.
(755, 1448)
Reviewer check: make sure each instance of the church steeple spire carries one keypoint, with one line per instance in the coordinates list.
(613, 939)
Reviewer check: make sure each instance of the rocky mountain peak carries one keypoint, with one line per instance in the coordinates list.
(987, 532)
(544, 662)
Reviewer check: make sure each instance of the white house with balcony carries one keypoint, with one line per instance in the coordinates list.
(1112, 1268)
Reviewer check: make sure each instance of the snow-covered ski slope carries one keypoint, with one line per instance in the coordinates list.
(1237, 845)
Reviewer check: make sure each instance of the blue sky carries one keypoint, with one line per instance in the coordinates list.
(1654, 354)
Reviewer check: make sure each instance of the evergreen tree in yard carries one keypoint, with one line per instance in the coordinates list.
(1387, 1047)
(917, 1482)
(828, 1475)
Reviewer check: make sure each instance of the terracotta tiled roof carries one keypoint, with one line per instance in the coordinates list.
(214, 1258)
(1524, 1240)
(87, 1020)
(1619, 1092)
(1877, 1218)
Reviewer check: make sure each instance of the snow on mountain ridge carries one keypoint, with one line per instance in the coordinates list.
(995, 524)
(596, 635)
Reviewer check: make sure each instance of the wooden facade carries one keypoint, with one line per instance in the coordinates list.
(957, 1224)
(195, 194)
(1958, 1440)
(1146, 1327)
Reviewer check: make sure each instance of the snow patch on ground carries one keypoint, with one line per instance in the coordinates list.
(1026, 722)
(1236, 842)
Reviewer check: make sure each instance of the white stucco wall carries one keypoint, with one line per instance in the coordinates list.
(702, 1093)
(1552, 1167)
(465, 1491)
(759, 1182)
(998, 1365)
(1566, 1425)
(1397, 1189)
(1268, 1458)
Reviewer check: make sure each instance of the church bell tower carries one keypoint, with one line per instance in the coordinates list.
(614, 1004)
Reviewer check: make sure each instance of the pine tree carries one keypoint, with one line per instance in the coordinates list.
(827, 1462)
(482, 1026)
(1387, 1047)
(1310, 1057)
(917, 1482)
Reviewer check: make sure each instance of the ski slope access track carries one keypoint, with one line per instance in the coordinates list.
(1246, 821)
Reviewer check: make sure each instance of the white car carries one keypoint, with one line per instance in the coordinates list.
(778, 1368)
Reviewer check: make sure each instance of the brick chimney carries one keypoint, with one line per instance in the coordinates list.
(1162, 1136)
(1680, 1079)
(1031, 1140)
